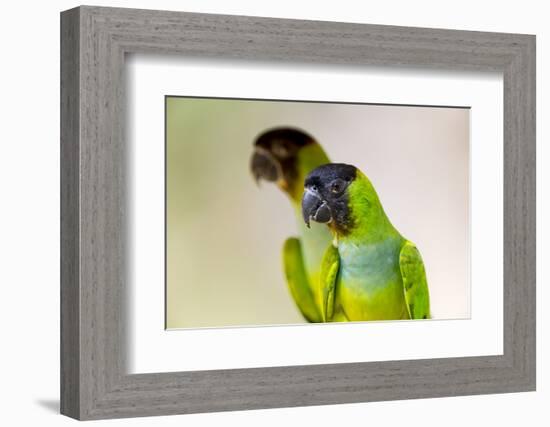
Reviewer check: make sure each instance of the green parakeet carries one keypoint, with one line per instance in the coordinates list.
(370, 271)
(285, 156)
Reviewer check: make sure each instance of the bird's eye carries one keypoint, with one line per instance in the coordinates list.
(337, 186)
(281, 150)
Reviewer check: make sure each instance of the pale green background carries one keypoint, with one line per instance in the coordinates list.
(224, 234)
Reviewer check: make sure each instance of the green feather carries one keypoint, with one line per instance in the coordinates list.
(329, 273)
(297, 280)
(415, 285)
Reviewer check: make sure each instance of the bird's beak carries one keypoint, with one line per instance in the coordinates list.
(264, 165)
(315, 208)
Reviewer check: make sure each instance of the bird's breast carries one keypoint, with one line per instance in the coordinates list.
(369, 283)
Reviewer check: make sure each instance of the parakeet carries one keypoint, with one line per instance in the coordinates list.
(369, 271)
(285, 156)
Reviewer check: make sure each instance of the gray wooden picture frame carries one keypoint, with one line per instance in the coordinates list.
(94, 381)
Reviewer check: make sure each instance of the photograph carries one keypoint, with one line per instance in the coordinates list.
(290, 212)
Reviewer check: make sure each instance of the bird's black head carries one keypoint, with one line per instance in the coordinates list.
(275, 155)
(326, 198)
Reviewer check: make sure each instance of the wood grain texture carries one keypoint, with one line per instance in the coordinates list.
(70, 221)
(95, 276)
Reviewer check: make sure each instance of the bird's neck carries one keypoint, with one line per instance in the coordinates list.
(369, 223)
(368, 231)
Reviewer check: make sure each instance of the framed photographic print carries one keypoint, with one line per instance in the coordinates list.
(262, 213)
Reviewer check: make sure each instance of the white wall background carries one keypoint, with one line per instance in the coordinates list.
(29, 225)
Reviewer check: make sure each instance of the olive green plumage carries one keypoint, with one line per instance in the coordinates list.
(286, 156)
(370, 271)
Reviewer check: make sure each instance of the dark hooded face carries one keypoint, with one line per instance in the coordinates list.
(275, 155)
(325, 198)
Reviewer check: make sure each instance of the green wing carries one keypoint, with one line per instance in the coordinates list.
(329, 273)
(297, 280)
(415, 285)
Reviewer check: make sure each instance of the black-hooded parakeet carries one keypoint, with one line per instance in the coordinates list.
(369, 271)
(285, 156)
